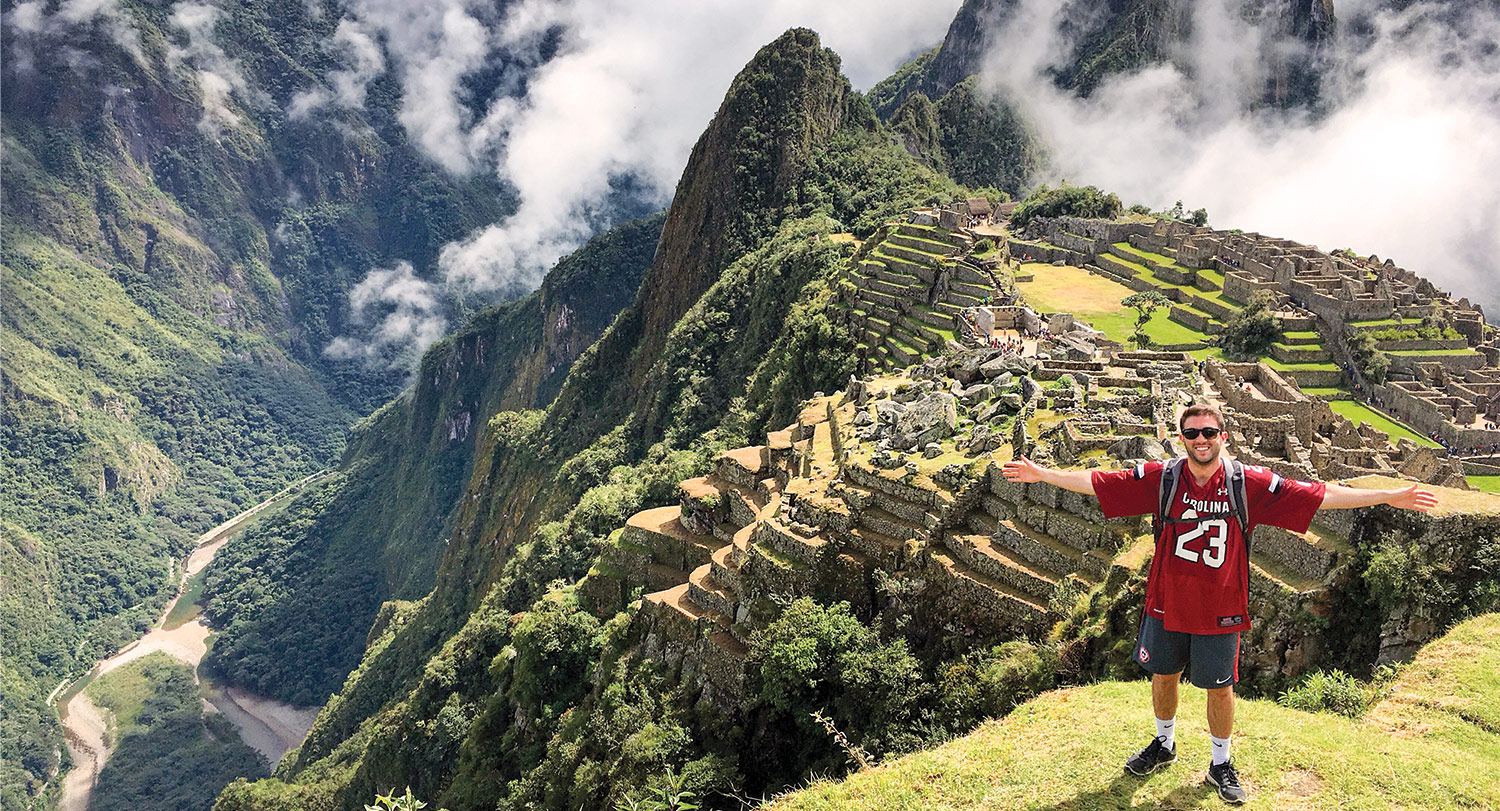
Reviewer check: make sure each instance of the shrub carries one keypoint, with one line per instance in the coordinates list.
(991, 683)
(1371, 362)
(1335, 691)
(1250, 333)
(1066, 201)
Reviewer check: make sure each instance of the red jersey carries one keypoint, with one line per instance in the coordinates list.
(1200, 575)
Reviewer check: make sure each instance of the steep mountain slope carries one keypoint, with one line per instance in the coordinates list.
(548, 487)
(294, 600)
(177, 253)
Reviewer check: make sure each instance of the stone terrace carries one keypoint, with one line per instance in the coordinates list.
(907, 289)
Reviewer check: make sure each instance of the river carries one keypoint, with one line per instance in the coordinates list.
(270, 727)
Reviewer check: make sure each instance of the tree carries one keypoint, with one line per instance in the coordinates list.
(1066, 201)
(1145, 304)
(1250, 333)
(1371, 362)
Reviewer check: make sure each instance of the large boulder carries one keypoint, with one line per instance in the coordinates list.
(976, 394)
(889, 412)
(931, 418)
(966, 369)
(1139, 447)
(1030, 390)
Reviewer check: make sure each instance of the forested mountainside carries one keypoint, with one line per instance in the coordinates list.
(177, 253)
(501, 686)
(294, 599)
(746, 336)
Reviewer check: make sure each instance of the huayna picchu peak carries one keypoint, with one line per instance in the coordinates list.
(551, 406)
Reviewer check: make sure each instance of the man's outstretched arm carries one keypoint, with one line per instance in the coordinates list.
(1025, 470)
(1339, 497)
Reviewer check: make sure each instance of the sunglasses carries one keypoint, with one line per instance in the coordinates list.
(1208, 433)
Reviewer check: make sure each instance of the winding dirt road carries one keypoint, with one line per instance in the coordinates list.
(270, 727)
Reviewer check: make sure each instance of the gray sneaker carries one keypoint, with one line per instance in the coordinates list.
(1227, 779)
(1153, 757)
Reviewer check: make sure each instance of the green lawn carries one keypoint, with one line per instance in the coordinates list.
(1431, 352)
(1096, 299)
(1359, 412)
(1328, 393)
(1430, 745)
(1302, 367)
(1160, 259)
(1484, 484)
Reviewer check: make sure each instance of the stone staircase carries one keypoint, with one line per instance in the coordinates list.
(908, 290)
(690, 555)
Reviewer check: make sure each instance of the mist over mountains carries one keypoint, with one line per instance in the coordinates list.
(233, 230)
(1370, 133)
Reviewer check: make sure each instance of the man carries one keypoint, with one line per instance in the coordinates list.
(1198, 588)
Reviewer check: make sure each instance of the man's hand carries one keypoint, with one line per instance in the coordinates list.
(1022, 470)
(1339, 497)
(1414, 498)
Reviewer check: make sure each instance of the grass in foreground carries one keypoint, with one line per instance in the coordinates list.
(1432, 744)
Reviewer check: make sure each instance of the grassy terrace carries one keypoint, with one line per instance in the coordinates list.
(1436, 353)
(1096, 299)
(1430, 744)
(1359, 412)
(1154, 257)
(1328, 393)
(1295, 367)
(1485, 484)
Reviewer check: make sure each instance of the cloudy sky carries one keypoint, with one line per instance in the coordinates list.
(629, 91)
(1405, 164)
(1401, 163)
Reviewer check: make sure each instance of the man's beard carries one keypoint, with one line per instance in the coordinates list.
(1213, 454)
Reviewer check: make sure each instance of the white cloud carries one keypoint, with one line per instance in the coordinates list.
(1402, 164)
(346, 85)
(218, 75)
(628, 92)
(31, 20)
(631, 90)
(406, 314)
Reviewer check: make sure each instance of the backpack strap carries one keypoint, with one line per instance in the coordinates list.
(1171, 480)
(1238, 498)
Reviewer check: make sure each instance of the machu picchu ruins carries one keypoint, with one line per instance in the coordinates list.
(890, 490)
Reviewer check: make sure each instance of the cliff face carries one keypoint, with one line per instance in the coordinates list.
(787, 101)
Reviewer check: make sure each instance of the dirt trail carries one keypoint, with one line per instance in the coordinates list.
(270, 727)
(84, 732)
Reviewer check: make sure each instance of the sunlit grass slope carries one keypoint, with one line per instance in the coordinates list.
(1434, 743)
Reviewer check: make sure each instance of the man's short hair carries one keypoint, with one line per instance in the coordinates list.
(1199, 410)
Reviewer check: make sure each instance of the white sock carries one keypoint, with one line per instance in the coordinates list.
(1220, 749)
(1166, 731)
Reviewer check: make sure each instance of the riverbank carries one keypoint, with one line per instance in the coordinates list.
(270, 727)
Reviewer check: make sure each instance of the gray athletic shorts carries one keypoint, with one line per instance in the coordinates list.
(1214, 658)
